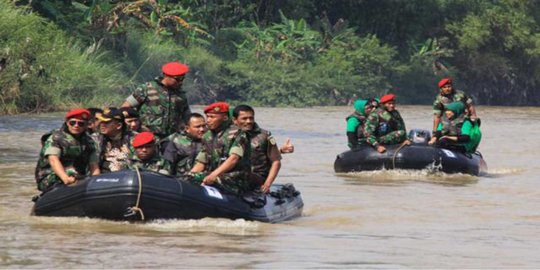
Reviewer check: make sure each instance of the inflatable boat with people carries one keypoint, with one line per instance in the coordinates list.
(142, 195)
(417, 156)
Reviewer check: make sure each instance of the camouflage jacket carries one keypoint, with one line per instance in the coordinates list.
(74, 154)
(384, 127)
(457, 95)
(162, 111)
(263, 150)
(218, 145)
(114, 153)
(155, 164)
(181, 152)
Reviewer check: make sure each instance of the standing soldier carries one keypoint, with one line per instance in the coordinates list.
(67, 154)
(265, 156)
(385, 126)
(225, 152)
(162, 104)
(147, 156)
(182, 148)
(448, 95)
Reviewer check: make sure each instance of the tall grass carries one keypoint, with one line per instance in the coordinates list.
(47, 70)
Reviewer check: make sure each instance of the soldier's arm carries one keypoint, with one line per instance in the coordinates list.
(94, 168)
(59, 170)
(226, 166)
(200, 162)
(135, 99)
(372, 123)
(272, 174)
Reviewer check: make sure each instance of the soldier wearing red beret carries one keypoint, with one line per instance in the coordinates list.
(147, 157)
(385, 125)
(448, 95)
(225, 153)
(67, 153)
(162, 103)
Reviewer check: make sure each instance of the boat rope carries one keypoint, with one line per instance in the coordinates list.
(395, 154)
(136, 208)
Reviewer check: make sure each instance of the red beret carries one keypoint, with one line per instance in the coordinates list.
(444, 82)
(174, 69)
(78, 113)
(143, 138)
(388, 97)
(217, 107)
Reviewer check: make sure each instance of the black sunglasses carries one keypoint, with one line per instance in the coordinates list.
(77, 123)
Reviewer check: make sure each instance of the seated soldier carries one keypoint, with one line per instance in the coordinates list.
(385, 126)
(67, 154)
(265, 156)
(114, 141)
(182, 148)
(357, 120)
(456, 130)
(225, 153)
(131, 117)
(147, 156)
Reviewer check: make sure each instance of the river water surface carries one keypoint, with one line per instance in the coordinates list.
(384, 219)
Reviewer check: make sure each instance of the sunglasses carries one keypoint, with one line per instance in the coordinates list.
(77, 123)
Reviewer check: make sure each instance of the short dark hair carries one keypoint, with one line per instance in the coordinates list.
(193, 115)
(242, 108)
(93, 112)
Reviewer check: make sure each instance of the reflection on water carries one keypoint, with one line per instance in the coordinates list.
(381, 219)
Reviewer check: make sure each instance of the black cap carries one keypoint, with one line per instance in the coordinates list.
(110, 114)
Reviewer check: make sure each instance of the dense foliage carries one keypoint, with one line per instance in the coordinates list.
(56, 54)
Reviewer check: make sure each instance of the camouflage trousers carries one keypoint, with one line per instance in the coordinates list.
(393, 137)
(234, 182)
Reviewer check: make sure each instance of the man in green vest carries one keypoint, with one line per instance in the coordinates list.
(225, 153)
(162, 103)
(147, 156)
(67, 154)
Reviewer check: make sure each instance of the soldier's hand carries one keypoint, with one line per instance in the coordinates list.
(407, 142)
(69, 180)
(432, 140)
(381, 149)
(288, 147)
(265, 188)
(209, 179)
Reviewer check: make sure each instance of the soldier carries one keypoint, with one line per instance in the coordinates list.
(456, 131)
(147, 156)
(385, 126)
(357, 120)
(225, 152)
(265, 157)
(162, 104)
(131, 117)
(182, 148)
(114, 141)
(67, 154)
(448, 95)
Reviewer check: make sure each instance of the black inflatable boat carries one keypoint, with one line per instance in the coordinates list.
(417, 156)
(119, 196)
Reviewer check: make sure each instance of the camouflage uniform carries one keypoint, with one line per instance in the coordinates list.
(155, 164)
(217, 146)
(456, 95)
(385, 127)
(181, 152)
(162, 111)
(75, 154)
(264, 151)
(114, 153)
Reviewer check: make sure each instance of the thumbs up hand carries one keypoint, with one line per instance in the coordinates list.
(287, 147)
